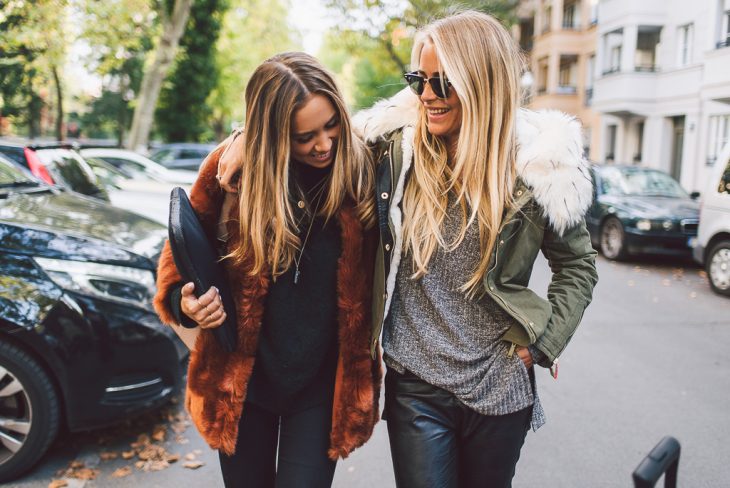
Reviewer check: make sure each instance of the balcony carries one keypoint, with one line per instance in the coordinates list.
(566, 90)
(716, 78)
(646, 68)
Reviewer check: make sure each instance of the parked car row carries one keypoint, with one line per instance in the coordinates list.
(638, 210)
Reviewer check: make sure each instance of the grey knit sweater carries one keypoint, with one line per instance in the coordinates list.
(452, 342)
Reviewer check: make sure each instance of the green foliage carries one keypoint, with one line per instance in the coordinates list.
(182, 113)
(379, 36)
(253, 30)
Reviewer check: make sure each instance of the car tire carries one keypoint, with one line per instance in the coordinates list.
(29, 411)
(613, 239)
(718, 268)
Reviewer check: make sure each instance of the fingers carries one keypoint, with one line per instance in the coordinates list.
(207, 310)
(188, 289)
(525, 356)
(229, 165)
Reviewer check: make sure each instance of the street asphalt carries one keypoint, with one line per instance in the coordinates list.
(649, 360)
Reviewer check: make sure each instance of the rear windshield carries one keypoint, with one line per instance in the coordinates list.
(69, 169)
(639, 182)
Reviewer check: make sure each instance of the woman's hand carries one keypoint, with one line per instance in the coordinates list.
(525, 356)
(207, 311)
(230, 162)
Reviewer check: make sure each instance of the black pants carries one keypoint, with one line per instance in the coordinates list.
(302, 439)
(438, 442)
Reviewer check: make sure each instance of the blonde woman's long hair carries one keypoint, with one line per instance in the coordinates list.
(484, 65)
(267, 224)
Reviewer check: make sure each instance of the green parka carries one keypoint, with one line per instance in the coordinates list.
(551, 194)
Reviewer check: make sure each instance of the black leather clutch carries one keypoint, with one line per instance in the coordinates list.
(197, 260)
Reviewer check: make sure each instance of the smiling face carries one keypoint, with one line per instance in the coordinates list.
(443, 115)
(314, 132)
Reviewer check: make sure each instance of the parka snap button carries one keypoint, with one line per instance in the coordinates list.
(387, 247)
(385, 296)
(384, 195)
(501, 242)
(519, 192)
(491, 288)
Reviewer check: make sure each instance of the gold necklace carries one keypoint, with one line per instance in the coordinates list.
(298, 260)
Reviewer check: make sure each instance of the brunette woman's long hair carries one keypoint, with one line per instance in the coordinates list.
(267, 224)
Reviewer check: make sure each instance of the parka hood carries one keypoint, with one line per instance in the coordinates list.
(550, 157)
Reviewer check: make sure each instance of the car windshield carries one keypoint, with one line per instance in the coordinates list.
(12, 177)
(639, 182)
(69, 169)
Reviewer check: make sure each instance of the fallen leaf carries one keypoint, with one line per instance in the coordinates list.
(190, 456)
(108, 455)
(159, 433)
(193, 464)
(76, 465)
(84, 474)
(128, 454)
(57, 484)
(122, 472)
(152, 453)
(142, 441)
(173, 458)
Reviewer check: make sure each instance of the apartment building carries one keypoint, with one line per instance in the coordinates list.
(560, 37)
(662, 84)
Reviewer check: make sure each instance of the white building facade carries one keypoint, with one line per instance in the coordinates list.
(662, 85)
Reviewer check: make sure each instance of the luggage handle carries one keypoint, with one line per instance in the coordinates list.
(664, 458)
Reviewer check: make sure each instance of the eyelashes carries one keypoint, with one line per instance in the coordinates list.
(331, 124)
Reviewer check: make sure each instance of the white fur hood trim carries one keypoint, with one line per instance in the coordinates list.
(549, 157)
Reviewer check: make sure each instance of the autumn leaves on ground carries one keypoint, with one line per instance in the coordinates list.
(159, 443)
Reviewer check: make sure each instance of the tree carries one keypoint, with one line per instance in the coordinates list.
(252, 31)
(182, 114)
(173, 26)
(379, 36)
(33, 48)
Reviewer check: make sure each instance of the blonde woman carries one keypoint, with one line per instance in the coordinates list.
(469, 189)
(301, 389)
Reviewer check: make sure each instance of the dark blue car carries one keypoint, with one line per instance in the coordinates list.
(639, 210)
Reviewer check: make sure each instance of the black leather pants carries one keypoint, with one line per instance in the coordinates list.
(438, 442)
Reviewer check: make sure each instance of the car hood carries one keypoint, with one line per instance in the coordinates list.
(180, 176)
(655, 207)
(65, 225)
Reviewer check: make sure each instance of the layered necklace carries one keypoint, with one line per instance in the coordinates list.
(317, 192)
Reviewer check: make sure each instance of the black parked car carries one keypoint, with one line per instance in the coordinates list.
(640, 210)
(56, 164)
(182, 155)
(80, 344)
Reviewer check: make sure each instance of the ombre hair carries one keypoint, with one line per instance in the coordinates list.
(484, 65)
(267, 223)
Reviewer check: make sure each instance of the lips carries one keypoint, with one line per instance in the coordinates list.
(322, 157)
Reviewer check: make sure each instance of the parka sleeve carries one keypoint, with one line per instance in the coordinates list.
(572, 260)
(206, 197)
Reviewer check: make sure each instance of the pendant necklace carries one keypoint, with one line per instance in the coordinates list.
(300, 204)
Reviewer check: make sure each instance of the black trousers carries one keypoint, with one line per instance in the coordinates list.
(302, 440)
(438, 442)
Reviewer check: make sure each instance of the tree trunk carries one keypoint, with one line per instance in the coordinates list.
(154, 75)
(59, 104)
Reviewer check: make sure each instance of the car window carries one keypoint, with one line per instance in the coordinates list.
(639, 182)
(15, 154)
(69, 169)
(163, 156)
(9, 173)
(127, 165)
(724, 186)
(192, 154)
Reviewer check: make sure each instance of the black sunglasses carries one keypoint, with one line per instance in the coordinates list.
(440, 86)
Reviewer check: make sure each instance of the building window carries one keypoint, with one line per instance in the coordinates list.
(719, 135)
(594, 12)
(611, 44)
(546, 18)
(611, 144)
(570, 15)
(542, 76)
(724, 40)
(590, 70)
(647, 41)
(685, 34)
(567, 76)
(615, 59)
(639, 141)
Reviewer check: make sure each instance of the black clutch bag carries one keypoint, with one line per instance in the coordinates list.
(197, 260)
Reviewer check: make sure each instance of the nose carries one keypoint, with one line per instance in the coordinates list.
(428, 95)
(323, 143)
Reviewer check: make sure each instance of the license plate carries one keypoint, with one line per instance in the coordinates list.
(691, 242)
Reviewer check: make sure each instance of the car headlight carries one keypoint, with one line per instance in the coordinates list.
(643, 224)
(121, 284)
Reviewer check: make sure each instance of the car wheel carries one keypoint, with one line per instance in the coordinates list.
(718, 267)
(613, 245)
(29, 412)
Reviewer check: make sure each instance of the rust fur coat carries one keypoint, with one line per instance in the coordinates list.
(217, 381)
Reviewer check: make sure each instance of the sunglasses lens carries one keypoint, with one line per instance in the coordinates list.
(440, 88)
(416, 83)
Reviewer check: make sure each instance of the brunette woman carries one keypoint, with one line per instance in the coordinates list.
(301, 389)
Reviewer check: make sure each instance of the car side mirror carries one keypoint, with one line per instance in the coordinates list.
(694, 195)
